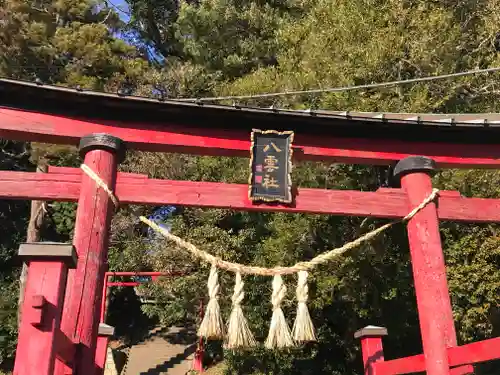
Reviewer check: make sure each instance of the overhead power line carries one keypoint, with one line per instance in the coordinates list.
(342, 88)
(118, 8)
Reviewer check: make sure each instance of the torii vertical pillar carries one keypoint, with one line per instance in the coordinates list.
(80, 322)
(42, 306)
(371, 347)
(429, 270)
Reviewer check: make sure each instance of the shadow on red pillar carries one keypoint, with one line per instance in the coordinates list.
(80, 322)
(429, 271)
(42, 307)
(371, 347)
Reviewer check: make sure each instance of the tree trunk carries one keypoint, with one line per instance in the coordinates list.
(37, 217)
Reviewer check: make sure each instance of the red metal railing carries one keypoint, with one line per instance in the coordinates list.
(107, 283)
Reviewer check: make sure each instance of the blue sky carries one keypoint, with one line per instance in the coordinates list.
(121, 8)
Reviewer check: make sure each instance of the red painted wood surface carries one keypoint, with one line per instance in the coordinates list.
(66, 350)
(145, 273)
(36, 347)
(101, 354)
(429, 274)
(415, 364)
(124, 283)
(37, 312)
(400, 192)
(167, 137)
(464, 355)
(104, 296)
(198, 361)
(388, 203)
(407, 365)
(373, 352)
(475, 352)
(462, 370)
(83, 297)
(235, 196)
(200, 349)
(52, 169)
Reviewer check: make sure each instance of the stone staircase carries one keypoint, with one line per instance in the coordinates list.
(110, 365)
(163, 351)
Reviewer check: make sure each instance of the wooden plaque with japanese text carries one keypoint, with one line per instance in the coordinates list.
(271, 166)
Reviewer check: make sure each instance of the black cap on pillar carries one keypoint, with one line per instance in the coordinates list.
(102, 141)
(370, 331)
(414, 164)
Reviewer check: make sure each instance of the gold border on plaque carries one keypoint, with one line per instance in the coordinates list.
(290, 166)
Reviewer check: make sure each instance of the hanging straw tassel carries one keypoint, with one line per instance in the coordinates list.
(239, 334)
(279, 333)
(212, 326)
(303, 328)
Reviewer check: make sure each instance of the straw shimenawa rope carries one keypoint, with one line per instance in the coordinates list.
(239, 334)
(212, 326)
(301, 266)
(303, 329)
(279, 333)
(99, 182)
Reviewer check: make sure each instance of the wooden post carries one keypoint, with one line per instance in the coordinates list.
(42, 306)
(200, 350)
(105, 332)
(429, 270)
(33, 234)
(371, 347)
(80, 322)
(104, 299)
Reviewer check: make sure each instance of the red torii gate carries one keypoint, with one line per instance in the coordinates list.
(53, 342)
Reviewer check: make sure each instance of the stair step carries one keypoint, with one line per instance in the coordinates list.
(158, 354)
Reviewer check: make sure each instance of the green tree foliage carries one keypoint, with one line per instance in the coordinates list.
(231, 37)
(66, 42)
(339, 43)
(204, 43)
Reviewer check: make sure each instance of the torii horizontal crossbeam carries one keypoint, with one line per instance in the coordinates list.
(64, 185)
(475, 352)
(183, 138)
